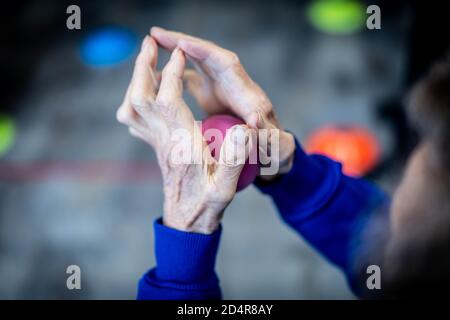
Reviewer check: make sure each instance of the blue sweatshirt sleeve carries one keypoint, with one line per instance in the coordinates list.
(185, 266)
(329, 209)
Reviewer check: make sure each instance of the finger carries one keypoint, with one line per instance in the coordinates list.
(216, 58)
(143, 83)
(154, 49)
(167, 39)
(127, 115)
(237, 89)
(233, 155)
(171, 86)
(278, 143)
(195, 85)
(199, 86)
(253, 120)
(192, 76)
(144, 71)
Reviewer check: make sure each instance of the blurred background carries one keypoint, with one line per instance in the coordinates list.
(76, 188)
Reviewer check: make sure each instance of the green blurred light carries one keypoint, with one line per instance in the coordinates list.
(7, 134)
(337, 16)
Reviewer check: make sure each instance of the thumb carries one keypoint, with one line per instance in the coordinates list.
(233, 155)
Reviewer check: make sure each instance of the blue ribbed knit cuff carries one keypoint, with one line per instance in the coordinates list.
(185, 257)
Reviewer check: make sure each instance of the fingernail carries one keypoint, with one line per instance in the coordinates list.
(156, 29)
(182, 43)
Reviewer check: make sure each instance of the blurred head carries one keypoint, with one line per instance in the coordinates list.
(418, 255)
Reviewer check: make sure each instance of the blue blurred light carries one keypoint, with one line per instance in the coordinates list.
(108, 46)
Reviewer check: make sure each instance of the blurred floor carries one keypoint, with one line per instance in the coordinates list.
(105, 225)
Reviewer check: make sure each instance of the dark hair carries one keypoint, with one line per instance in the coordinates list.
(421, 266)
(429, 110)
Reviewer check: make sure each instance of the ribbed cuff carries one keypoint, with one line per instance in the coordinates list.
(185, 257)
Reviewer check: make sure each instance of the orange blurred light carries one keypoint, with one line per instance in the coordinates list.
(355, 147)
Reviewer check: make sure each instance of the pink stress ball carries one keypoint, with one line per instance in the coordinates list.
(223, 122)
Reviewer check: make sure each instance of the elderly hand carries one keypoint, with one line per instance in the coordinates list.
(221, 84)
(197, 188)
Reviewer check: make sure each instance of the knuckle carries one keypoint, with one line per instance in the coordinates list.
(162, 101)
(139, 102)
(166, 106)
(123, 116)
(270, 114)
(165, 100)
(233, 58)
(267, 108)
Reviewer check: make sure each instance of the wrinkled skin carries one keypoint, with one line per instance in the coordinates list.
(222, 85)
(196, 194)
